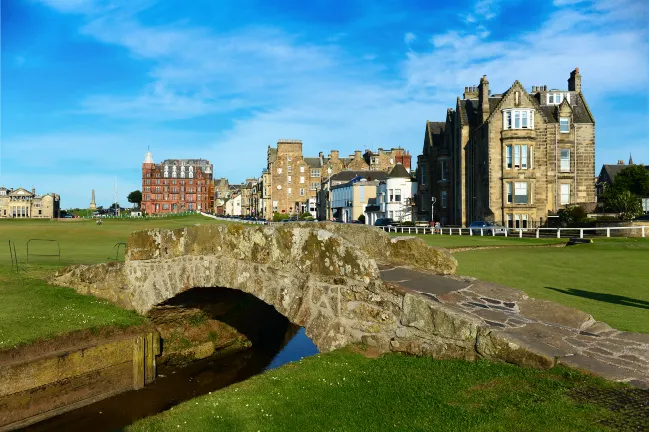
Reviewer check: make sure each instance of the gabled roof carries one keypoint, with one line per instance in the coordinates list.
(21, 192)
(610, 171)
(272, 155)
(399, 171)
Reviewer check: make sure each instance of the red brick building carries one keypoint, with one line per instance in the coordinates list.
(177, 185)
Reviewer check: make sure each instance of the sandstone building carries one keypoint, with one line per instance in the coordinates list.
(21, 203)
(291, 180)
(176, 185)
(514, 158)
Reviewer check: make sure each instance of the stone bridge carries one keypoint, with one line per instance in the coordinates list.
(355, 284)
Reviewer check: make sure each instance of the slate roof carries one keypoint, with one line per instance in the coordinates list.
(313, 162)
(399, 171)
(608, 172)
(272, 155)
(345, 176)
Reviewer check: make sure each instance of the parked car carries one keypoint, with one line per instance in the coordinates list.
(488, 228)
(384, 222)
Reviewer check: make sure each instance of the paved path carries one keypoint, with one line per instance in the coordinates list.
(571, 336)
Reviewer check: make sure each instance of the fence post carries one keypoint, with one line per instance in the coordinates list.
(459, 230)
(581, 233)
(608, 232)
(481, 232)
(537, 233)
(520, 233)
(642, 230)
(558, 232)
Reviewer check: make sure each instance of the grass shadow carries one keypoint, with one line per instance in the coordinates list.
(607, 298)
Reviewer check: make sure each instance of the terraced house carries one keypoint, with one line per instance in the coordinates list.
(291, 181)
(513, 158)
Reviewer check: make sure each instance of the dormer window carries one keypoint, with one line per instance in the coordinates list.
(518, 119)
(564, 125)
(557, 98)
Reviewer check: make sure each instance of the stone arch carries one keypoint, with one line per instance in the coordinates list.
(316, 279)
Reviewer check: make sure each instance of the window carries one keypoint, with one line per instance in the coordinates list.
(289, 179)
(531, 157)
(397, 195)
(518, 119)
(301, 191)
(290, 190)
(444, 170)
(564, 125)
(520, 193)
(391, 195)
(301, 169)
(315, 173)
(289, 169)
(314, 186)
(510, 220)
(443, 199)
(517, 156)
(524, 156)
(510, 192)
(557, 98)
(423, 174)
(565, 193)
(564, 160)
(509, 156)
(279, 170)
(524, 221)
(301, 179)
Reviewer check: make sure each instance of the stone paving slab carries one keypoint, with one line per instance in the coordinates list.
(557, 334)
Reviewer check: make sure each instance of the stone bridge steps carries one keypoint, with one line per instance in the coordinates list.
(561, 334)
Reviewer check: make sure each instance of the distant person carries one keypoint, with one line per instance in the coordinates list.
(437, 227)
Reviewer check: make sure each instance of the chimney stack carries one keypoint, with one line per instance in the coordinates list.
(483, 97)
(620, 162)
(574, 82)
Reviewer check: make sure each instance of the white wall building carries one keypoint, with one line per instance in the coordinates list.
(233, 206)
(394, 197)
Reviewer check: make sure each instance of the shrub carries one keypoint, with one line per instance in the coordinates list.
(305, 216)
(278, 217)
(407, 223)
(361, 218)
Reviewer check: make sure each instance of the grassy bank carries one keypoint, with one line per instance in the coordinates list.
(608, 279)
(30, 308)
(344, 391)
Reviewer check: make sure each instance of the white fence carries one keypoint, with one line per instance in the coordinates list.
(524, 232)
(485, 232)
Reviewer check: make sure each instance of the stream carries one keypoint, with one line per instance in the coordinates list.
(178, 384)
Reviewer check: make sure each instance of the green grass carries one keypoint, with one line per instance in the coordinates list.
(607, 279)
(344, 391)
(30, 308)
(81, 241)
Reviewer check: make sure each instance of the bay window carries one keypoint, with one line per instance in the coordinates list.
(519, 156)
(518, 119)
(443, 199)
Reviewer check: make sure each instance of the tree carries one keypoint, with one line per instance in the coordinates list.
(627, 204)
(135, 198)
(635, 179)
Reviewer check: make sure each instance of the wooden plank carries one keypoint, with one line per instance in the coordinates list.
(138, 362)
(37, 404)
(18, 377)
(149, 359)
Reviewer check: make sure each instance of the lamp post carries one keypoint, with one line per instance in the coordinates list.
(432, 209)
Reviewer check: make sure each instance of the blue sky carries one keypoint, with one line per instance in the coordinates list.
(87, 85)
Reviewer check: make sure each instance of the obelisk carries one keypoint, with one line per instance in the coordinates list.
(93, 205)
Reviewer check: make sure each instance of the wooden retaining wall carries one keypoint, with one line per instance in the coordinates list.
(37, 388)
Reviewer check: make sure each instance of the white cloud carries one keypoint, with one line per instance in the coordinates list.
(409, 37)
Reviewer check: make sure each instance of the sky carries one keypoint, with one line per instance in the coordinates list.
(88, 86)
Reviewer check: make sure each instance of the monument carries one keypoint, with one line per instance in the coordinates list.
(93, 205)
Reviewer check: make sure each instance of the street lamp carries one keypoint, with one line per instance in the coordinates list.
(432, 209)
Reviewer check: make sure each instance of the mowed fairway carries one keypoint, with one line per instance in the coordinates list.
(30, 308)
(609, 279)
